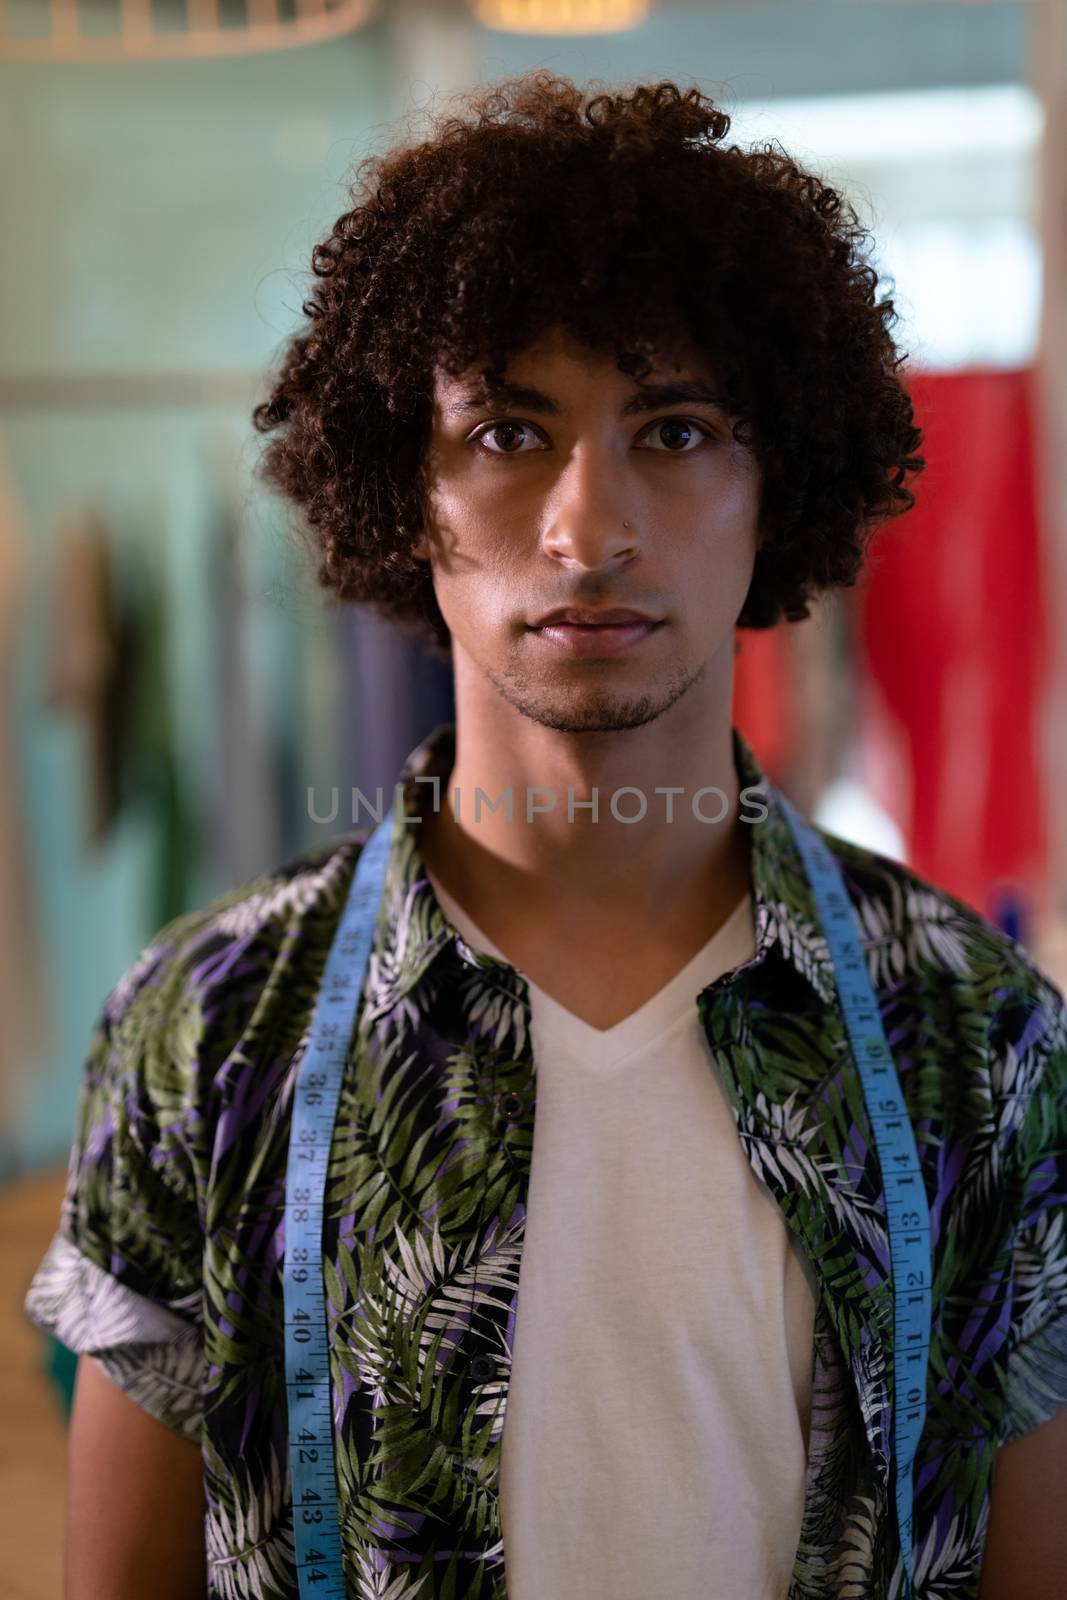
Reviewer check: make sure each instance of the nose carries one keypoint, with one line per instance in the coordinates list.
(586, 526)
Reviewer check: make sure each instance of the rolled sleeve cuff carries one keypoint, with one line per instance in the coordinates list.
(155, 1356)
(1036, 1385)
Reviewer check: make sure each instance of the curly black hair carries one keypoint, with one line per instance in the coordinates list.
(624, 218)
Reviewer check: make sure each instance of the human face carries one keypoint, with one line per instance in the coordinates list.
(575, 497)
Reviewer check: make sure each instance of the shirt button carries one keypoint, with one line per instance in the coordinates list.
(512, 1106)
(482, 1367)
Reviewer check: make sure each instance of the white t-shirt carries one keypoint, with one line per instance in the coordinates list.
(657, 1418)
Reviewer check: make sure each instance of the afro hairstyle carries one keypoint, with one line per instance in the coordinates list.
(624, 218)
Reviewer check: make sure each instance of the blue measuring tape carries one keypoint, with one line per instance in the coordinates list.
(906, 1203)
(307, 1368)
(312, 1469)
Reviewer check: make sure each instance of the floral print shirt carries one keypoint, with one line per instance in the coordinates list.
(167, 1261)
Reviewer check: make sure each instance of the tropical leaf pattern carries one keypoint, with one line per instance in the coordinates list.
(167, 1262)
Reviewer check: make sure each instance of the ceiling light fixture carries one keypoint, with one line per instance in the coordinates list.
(561, 16)
(171, 30)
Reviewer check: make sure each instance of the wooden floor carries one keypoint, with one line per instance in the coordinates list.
(33, 1428)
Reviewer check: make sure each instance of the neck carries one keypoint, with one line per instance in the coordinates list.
(584, 871)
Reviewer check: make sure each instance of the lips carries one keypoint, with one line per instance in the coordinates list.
(589, 640)
(584, 617)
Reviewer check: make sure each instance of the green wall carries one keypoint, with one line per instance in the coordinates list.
(158, 219)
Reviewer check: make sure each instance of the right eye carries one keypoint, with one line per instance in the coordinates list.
(489, 428)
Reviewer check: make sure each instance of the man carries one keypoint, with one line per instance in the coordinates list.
(605, 1241)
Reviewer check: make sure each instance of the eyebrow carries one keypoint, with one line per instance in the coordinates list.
(649, 398)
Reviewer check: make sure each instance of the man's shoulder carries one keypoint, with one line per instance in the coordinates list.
(983, 1028)
(920, 930)
(213, 966)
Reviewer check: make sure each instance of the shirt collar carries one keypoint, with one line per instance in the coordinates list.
(412, 929)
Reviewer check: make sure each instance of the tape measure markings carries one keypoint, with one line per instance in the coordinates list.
(312, 1466)
(907, 1208)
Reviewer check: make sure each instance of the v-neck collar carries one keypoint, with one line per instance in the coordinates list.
(654, 1018)
(415, 929)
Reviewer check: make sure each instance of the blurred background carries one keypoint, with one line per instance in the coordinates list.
(169, 165)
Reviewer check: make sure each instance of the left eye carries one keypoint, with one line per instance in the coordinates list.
(687, 425)
(693, 429)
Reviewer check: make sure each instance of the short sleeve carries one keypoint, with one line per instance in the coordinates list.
(122, 1278)
(1032, 1041)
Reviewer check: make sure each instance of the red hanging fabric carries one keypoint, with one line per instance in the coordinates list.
(761, 707)
(955, 634)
